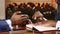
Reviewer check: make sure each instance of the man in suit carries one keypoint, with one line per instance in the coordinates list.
(6, 25)
(58, 10)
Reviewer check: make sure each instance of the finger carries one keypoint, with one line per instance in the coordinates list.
(19, 12)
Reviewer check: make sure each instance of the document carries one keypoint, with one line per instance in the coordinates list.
(39, 27)
(42, 28)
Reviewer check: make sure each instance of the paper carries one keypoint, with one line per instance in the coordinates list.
(40, 28)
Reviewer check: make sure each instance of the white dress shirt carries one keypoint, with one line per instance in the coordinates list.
(58, 25)
(9, 23)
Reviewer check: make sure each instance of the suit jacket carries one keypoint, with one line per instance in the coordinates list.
(4, 26)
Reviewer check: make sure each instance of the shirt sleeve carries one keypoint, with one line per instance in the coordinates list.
(9, 23)
(58, 25)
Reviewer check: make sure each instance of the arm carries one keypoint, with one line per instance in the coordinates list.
(17, 18)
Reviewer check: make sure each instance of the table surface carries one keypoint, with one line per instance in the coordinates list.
(28, 32)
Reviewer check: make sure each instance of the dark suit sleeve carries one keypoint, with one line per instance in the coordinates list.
(4, 26)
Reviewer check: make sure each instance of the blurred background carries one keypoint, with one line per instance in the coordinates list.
(4, 5)
(46, 7)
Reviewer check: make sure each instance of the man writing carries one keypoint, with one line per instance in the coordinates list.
(6, 25)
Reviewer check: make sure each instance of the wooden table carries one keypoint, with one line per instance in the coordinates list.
(29, 32)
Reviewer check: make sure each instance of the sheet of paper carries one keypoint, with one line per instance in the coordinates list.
(42, 28)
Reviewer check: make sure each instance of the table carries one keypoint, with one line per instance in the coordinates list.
(29, 32)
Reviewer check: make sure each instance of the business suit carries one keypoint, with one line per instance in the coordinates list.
(58, 10)
(4, 26)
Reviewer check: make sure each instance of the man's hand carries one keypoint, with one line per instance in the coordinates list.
(18, 18)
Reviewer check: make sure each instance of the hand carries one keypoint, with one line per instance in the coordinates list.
(18, 19)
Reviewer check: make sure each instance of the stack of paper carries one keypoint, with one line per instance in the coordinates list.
(39, 28)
